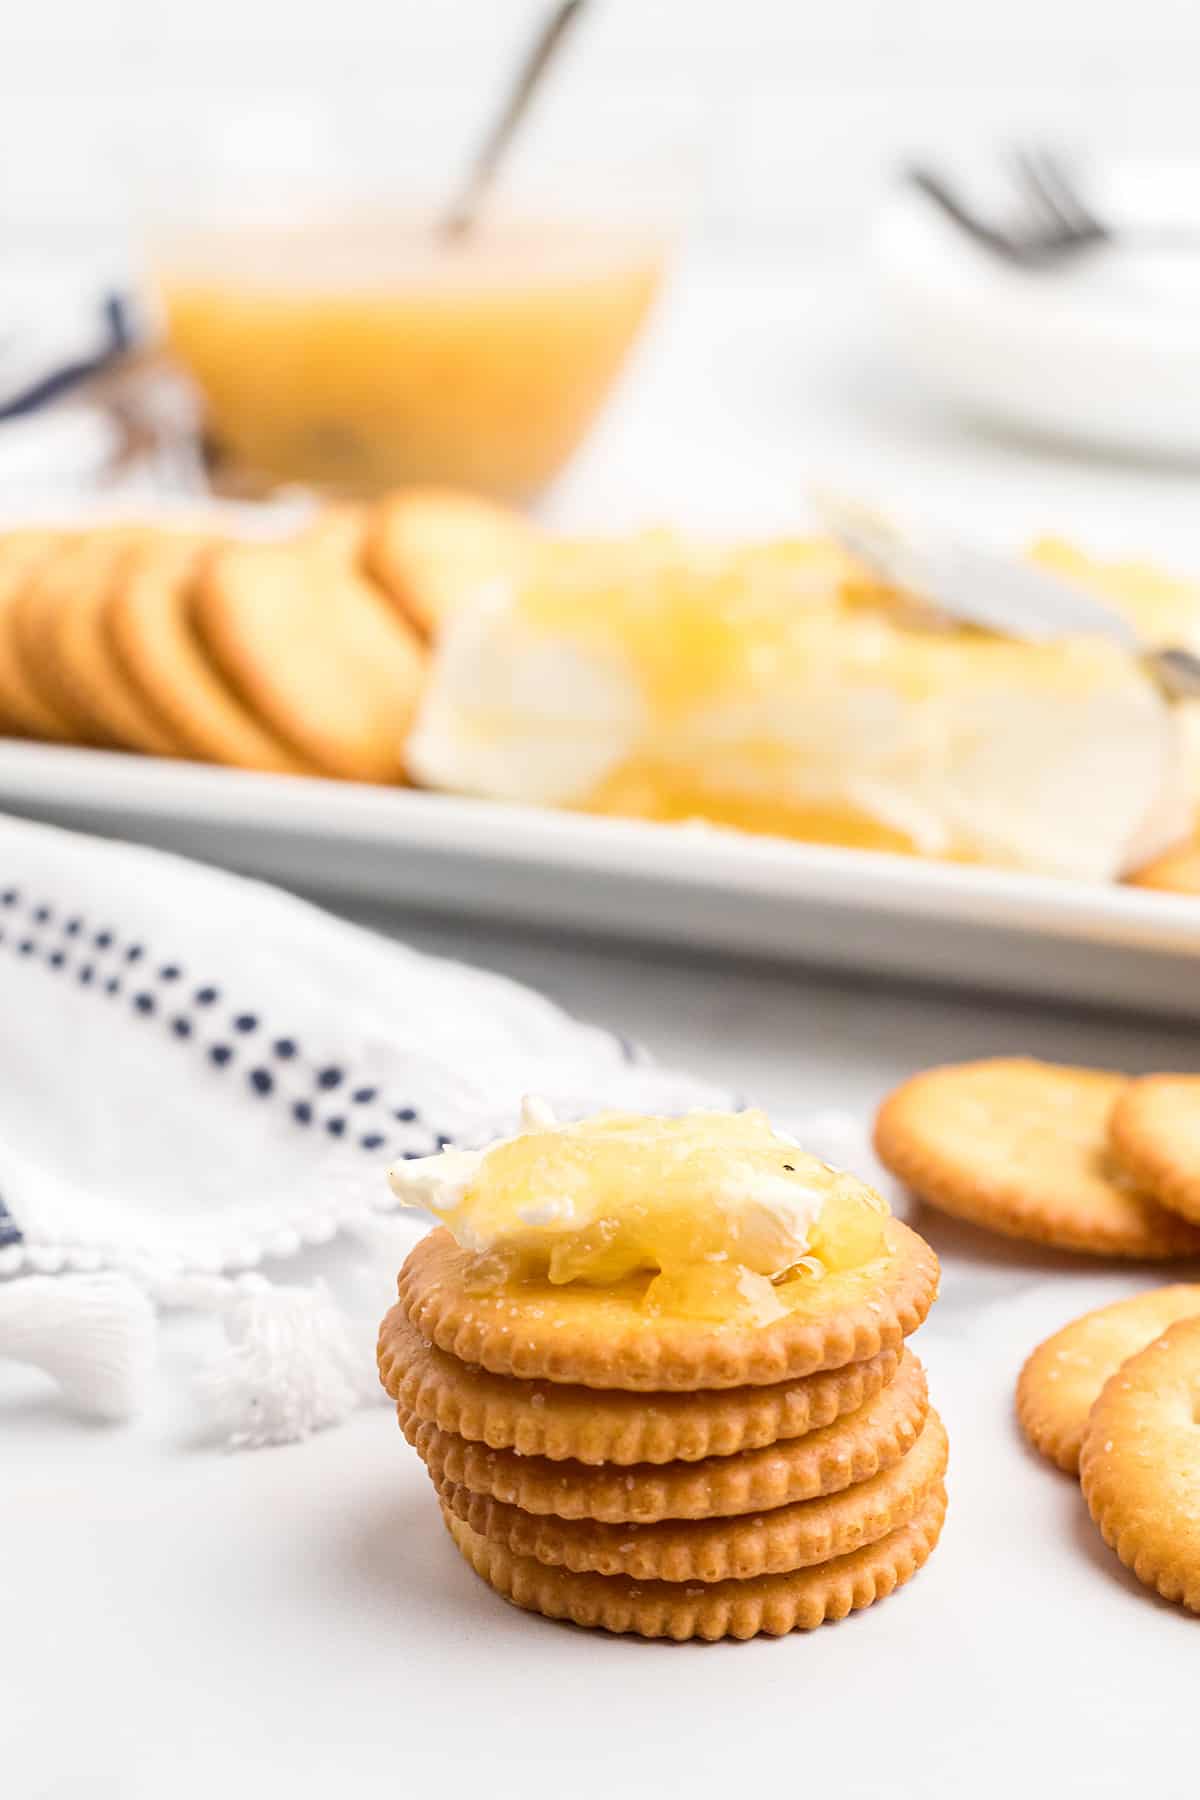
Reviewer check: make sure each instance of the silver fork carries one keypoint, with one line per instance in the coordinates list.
(1051, 222)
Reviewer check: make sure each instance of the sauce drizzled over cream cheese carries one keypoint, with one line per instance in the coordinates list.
(713, 1214)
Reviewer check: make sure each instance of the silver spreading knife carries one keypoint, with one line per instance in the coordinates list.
(1004, 594)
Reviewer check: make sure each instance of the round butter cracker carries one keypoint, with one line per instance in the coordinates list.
(77, 567)
(338, 530)
(315, 652)
(605, 1338)
(433, 550)
(771, 1604)
(1140, 1464)
(1063, 1378)
(767, 1543)
(853, 1449)
(149, 629)
(23, 712)
(83, 665)
(1176, 871)
(1021, 1147)
(1154, 1133)
(593, 1425)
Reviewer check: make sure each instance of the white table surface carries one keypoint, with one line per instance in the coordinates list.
(181, 1622)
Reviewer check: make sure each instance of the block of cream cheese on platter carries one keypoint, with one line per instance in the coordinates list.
(772, 690)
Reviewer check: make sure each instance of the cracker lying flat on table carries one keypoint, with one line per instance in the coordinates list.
(1140, 1464)
(591, 1425)
(1063, 1379)
(605, 1338)
(315, 652)
(775, 1604)
(722, 1549)
(1154, 1132)
(1021, 1147)
(854, 1448)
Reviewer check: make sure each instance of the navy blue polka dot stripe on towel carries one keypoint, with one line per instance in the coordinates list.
(9, 1232)
(229, 1042)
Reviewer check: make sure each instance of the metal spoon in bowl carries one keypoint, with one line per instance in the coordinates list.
(461, 214)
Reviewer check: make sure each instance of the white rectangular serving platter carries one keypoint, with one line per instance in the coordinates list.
(698, 888)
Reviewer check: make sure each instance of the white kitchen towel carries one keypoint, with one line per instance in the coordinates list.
(199, 1071)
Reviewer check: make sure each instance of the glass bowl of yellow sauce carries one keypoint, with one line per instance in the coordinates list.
(342, 338)
(356, 351)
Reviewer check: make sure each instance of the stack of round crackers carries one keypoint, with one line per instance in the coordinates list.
(669, 1476)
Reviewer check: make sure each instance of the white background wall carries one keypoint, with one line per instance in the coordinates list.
(803, 105)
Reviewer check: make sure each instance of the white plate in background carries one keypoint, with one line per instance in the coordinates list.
(1103, 350)
(695, 887)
